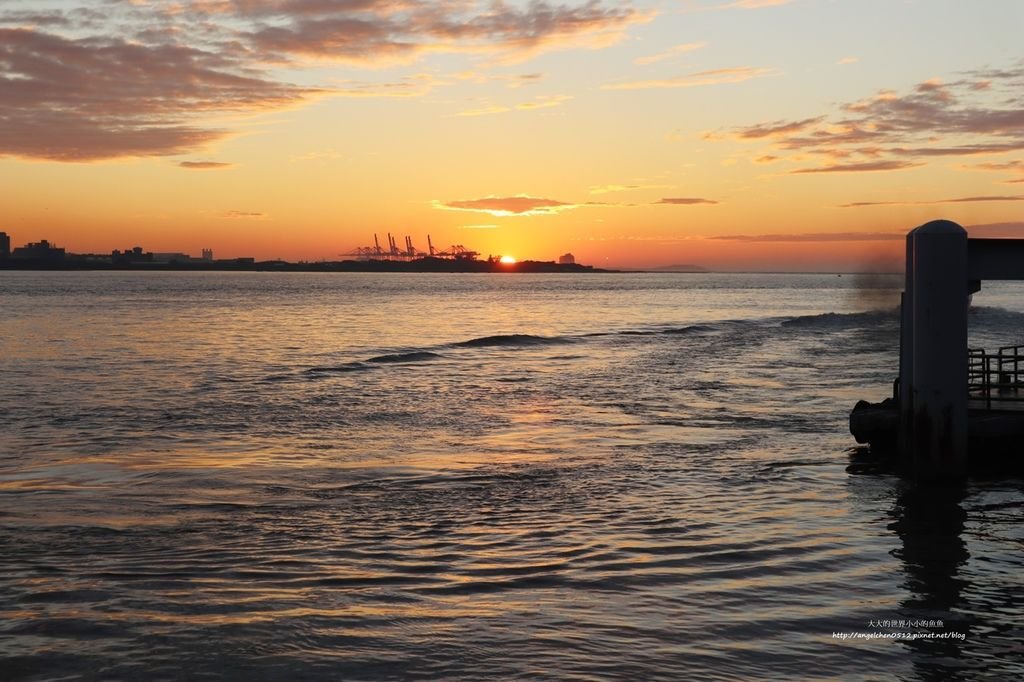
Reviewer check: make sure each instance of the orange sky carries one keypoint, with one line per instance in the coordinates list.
(752, 134)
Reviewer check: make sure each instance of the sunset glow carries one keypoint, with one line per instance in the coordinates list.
(508, 260)
(793, 134)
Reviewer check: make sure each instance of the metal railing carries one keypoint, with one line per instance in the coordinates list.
(996, 378)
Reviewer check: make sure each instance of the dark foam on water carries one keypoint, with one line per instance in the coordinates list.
(339, 369)
(414, 356)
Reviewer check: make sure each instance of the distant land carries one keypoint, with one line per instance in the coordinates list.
(428, 264)
(679, 267)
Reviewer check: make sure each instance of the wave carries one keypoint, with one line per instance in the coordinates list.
(415, 356)
(840, 320)
(512, 340)
(995, 315)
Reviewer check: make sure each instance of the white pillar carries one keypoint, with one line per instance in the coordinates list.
(938, 349)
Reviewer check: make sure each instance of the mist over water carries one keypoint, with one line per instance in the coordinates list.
(258, 476)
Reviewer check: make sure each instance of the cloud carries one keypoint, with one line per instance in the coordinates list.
(106, 79)
(866, 166)
(685, 201)
(1016, 166)
(544, 102)
(519, 205)
(713, 77)
(485, 110)
(669, 53)
(382, 30)
(204, 165)
(1008, 230)
(539, 102)
(814, 237)
(243, 214)
(86, 99)
(607, 189)
(960, 200)
(756, 4)
(989, 230)
(980, 113)
(410, 86)
(523, 79)
(743, 4)
(773, 129)
(847, 60)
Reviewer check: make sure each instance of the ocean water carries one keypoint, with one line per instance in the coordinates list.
(380, 477)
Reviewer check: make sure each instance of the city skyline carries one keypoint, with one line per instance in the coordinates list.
(749, 134)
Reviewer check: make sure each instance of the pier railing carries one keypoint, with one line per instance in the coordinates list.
(996, 378)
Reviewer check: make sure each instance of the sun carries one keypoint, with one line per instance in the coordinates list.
(508, 260)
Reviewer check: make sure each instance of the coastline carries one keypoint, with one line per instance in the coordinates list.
(443, 265)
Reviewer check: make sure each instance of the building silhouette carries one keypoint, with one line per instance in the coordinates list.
(5, 246)
(39, 251)
(129, 256)
(567, 259)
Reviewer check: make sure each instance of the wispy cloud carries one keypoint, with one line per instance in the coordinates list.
(847, 60)
(1016, 167)
(669, 53)
(814, 237)
(693, 80)
(243, 214)
(384, 30)
(484, 110)
(1006, 230)
(410, 86)
(743, 4)
(539, 102)
(756, 4)
(863, 167)
(607, 189)
(959, 200)
(544, 102)
(519, 205)
(686, 201)
(204, 165)
(981, 113)
(774, 129)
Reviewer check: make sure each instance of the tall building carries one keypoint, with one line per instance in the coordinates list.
(208, 255)
(567, 259)
(5, 246)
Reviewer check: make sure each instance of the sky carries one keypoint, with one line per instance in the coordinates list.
(729, 134)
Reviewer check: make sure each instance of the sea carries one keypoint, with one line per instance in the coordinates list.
(595, 476)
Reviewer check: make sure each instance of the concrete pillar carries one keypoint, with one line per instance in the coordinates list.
(937, 434)
(906, 392)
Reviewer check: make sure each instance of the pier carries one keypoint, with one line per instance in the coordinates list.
(953, 409)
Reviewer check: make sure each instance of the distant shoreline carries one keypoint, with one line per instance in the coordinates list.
(444, 265)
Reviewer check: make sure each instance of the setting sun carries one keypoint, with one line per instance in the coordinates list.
(508, 260)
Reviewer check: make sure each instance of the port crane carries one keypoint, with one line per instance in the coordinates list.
(393, 252)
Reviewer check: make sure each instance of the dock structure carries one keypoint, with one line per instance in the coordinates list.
(946, 401)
